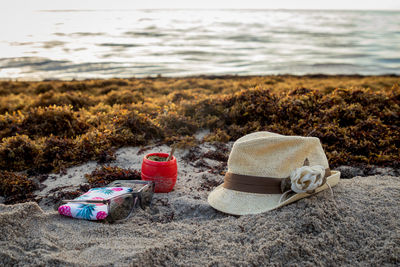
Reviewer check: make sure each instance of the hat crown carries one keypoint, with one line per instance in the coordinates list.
(273, 155)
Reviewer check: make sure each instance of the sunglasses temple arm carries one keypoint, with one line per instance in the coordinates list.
(144, 187)
(138, 202)
(86, 201)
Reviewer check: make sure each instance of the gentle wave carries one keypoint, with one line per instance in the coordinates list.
(98, 44)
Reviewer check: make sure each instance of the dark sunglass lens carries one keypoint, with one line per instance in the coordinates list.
(121, 207)
(147, 196)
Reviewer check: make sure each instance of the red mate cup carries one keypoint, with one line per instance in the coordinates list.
(163, 173)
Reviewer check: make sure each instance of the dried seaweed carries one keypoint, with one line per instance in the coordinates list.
(15, 186)
(216, 155)
(107, 174)
(55, 120)
(18, 153)
(175, 124)
(56, 152)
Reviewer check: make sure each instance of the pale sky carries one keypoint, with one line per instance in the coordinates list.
(14, 5)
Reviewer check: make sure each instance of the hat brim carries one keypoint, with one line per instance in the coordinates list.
(243, 203)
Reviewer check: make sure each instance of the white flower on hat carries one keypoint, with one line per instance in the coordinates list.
(307, 178)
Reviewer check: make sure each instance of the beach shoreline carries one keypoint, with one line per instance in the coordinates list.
(209, 77)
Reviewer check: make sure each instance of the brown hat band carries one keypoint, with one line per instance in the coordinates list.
(256, 184)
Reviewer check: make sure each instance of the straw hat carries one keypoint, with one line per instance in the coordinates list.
(268, 170)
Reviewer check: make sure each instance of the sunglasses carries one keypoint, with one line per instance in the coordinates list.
(121, 207)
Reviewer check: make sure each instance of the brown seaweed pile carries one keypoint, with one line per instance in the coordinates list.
(106, 174)
(50, 125)
(15, 187)
(354, 125)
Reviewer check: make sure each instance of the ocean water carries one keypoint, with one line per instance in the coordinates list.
(84, 44)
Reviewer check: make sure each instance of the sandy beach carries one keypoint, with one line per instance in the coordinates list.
(358, 225)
